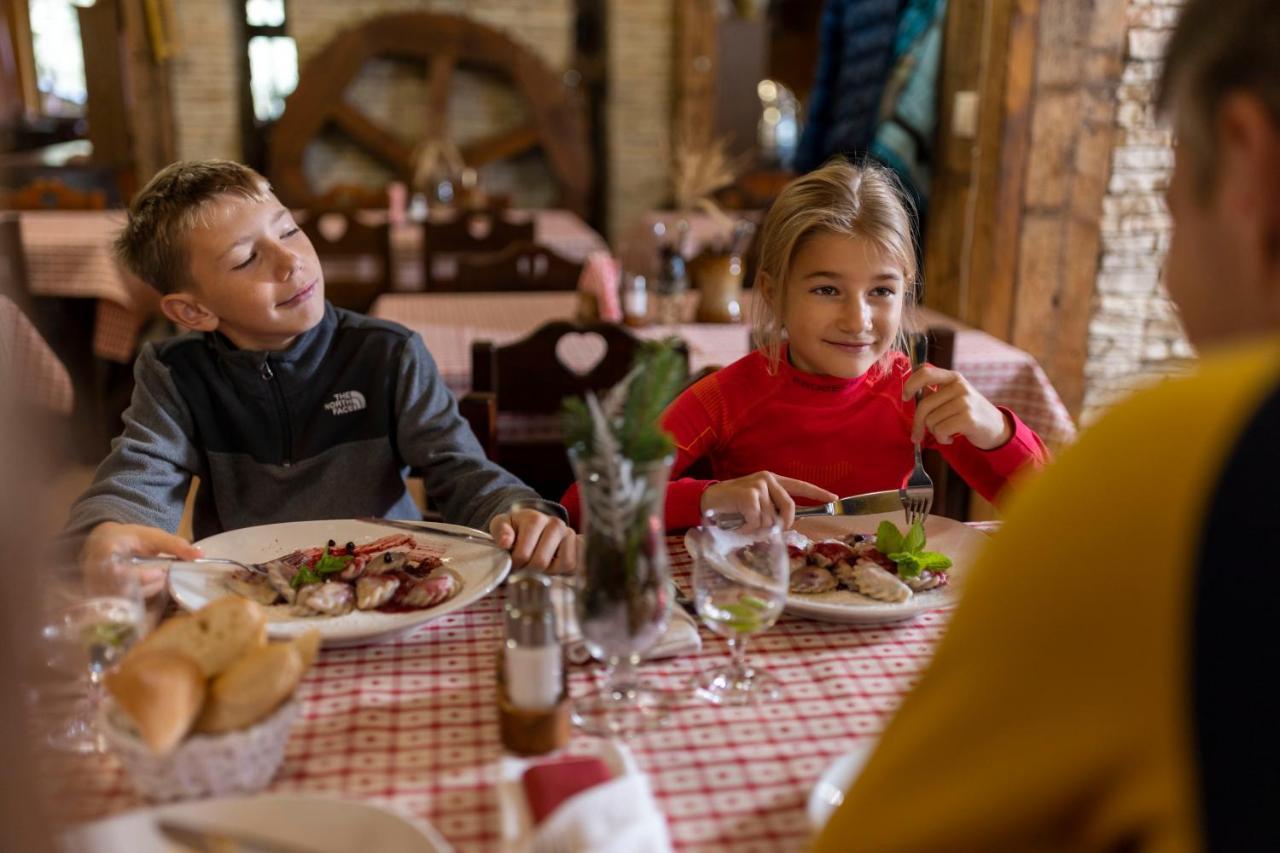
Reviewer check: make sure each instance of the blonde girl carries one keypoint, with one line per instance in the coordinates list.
(825, 407)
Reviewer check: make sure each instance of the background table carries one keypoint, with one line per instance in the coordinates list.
(450, 323)
(412, 725)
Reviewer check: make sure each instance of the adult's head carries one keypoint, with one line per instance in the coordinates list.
(1221, 89)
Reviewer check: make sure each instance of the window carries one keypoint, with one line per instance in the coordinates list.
(58, 56)
(273, 58)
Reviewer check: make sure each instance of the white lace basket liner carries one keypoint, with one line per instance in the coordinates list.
(242, 761)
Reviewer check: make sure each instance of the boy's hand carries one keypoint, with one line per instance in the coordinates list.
(536, 541)
(953, 407)
(761, 497)
(111, 539)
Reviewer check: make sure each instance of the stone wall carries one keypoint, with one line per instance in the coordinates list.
(638, 114)
(1135, 334)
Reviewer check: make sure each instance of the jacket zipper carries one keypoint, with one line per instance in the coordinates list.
(282, 410)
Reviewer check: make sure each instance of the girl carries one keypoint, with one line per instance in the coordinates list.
(826, 406)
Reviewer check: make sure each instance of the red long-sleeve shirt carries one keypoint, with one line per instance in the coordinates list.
(846, 435)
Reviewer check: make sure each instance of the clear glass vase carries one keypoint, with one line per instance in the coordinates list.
(623, 595)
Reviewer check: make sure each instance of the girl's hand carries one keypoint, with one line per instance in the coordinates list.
(761, 497)
(952, 407)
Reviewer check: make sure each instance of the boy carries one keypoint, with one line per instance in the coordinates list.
(285, 407)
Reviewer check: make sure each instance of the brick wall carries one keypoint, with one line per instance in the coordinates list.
(1135, 335)
(638, 114)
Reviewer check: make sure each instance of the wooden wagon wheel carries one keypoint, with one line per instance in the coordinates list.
(558, 121)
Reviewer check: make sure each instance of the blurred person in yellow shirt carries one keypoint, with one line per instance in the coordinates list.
(1106, 682)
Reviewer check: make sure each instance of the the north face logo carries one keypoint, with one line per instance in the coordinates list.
(345, 402)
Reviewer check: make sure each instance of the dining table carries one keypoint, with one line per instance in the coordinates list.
(412, 725)
(69, 254)
(450, 323)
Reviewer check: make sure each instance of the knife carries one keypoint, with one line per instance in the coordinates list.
(867, 504)
(427, 527)
(208, 840)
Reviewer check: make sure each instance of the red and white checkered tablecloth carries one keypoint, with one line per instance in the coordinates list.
(28, 366)
(68, 254)
(450, 322)
(412, 725)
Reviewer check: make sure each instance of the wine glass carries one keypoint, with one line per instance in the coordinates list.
(91, 616)
(740, 580)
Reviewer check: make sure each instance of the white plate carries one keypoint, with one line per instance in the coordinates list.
(840, 774)
(319, 824)
(482, 568)
(959, 542)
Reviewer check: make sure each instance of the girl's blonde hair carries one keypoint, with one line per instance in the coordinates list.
(865, 201)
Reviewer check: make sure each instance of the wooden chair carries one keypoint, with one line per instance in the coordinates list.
(528, 379)
(13, 264)
(355, 257)
(478, 231)
(951, 493)
(521, 267)
(50, 194)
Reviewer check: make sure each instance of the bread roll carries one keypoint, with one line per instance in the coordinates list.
(161, 691)
(214, 636)
(308, 645)
(251, 688)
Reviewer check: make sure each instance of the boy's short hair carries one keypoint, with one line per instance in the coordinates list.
(153, 243)
(1218, 48)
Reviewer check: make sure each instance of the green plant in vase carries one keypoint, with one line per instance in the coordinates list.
(622, 458)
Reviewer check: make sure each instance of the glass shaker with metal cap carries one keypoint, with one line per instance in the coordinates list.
(532, 683)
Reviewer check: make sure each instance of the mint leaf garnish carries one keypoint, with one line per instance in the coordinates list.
(888, 539)
(914, 541)
(907, 552)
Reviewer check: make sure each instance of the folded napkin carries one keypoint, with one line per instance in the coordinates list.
(680, 638)
(619, 815)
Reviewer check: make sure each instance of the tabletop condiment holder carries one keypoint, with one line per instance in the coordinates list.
(534, 711)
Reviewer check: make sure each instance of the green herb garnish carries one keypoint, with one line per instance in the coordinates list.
(328, 564)
(908, 551)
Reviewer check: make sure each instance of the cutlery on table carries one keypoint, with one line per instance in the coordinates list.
(427, 527)
(867, 504)
(199, 561)
(205, 839)
(916, 495)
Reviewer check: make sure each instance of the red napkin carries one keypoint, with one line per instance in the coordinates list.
(548, 785)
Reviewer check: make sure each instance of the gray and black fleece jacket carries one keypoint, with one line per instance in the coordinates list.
(327, 428)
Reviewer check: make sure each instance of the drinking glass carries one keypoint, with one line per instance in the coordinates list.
(622, 596)
(740, 580)
(91, 616)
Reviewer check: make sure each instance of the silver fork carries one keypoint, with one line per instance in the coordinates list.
(917, 494)
(214, 561)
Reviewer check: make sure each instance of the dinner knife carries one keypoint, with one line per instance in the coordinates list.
(427, 527)
(209, 840)
(866, 504)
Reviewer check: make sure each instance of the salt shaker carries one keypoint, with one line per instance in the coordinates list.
(532, 683)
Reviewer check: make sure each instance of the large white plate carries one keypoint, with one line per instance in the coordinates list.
(482, 568)
(319, 824)
(835, 781)
(962, 544)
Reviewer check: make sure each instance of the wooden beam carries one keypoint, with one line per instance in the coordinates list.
(500, 146)
(395, 154)
(696, 57)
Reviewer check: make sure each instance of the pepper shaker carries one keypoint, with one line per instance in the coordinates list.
(532, 679)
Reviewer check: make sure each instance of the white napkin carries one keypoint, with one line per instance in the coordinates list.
(618, 816)
(680, 638)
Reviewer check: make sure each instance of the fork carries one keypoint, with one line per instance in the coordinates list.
(216, 561)
(917, 493)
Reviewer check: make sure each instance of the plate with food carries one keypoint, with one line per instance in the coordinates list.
(873, 569)
(354, 581)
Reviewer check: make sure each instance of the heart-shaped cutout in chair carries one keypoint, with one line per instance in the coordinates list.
(581, 352)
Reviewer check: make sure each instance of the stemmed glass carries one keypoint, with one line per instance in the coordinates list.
(740, 580)
(91, 616)
(622, 595)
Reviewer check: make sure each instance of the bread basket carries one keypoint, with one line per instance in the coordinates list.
(242, 761)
